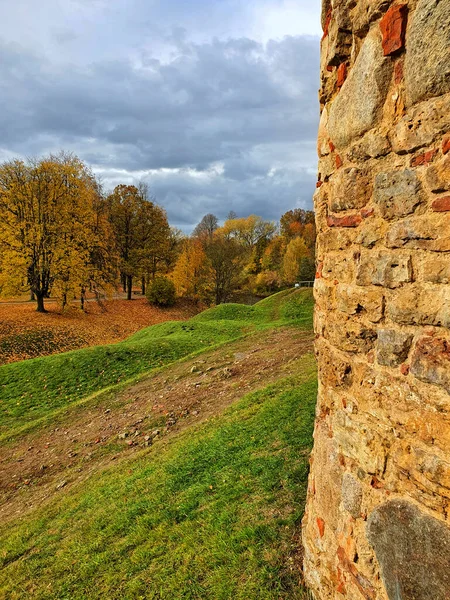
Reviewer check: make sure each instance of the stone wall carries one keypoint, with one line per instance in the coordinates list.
(378, 513)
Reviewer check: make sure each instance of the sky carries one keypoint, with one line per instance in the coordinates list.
(213, 103)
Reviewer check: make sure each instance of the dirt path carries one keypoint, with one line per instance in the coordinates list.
(38, 466)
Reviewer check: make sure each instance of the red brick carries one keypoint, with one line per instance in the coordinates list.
(321, 526)
(367, 212)
(441, 204)
(347, 221)
(423, 159)
(319, 270)
(339, 162)
(393, 29)
(446, 145)
(326, 26)
(398, 72)
(404, 369)
(318, 184)
(341, 74)
(332, 146)
(330, 68)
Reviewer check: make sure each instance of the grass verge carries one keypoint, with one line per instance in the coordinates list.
(213, 514)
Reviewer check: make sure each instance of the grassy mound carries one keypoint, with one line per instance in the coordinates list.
(33, 389)
(212, 515)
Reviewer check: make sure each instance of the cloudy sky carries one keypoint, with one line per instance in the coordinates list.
(212, 102)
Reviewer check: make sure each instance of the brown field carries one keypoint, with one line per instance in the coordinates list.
(24, 333)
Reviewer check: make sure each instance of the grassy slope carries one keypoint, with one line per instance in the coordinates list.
(213, 514)
(33, 389)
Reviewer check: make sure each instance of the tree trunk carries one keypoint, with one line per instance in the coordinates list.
(143, 285)
(32, 296)
(129, 286)
(40, 303)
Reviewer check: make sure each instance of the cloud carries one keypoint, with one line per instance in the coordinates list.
(211, 124)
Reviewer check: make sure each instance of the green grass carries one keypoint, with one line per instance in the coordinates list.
(212, 515)
(33, 390)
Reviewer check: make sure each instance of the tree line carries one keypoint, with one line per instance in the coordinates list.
(62, 235)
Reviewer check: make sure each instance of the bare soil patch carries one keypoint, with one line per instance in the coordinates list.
(35, 468)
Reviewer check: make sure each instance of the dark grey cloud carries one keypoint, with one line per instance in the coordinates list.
(212, 125)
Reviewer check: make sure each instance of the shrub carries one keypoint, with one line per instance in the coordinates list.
(162, 292)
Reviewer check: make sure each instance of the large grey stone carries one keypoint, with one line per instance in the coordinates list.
(413, 550)
(352, 495)
(392, 347)
(397, 193)
(387, 269)
(350, 188)
(358, 106)
(427, 64)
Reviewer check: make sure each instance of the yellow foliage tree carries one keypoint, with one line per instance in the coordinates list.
(193, 275)
(49, 227)
(296, 251)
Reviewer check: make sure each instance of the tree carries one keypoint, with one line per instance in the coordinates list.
(292, 223)
(225, 257)
(142, 234)
(48, 228)
(192, 274)
(206, 227)
(292, 261)
(249, 230)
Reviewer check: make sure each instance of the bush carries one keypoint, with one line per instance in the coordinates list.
(161, 292)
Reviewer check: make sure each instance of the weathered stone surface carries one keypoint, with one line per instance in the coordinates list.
(421, 125)
(368, 81)
(323, 146)
(428, 232)
(420, 305)
(437, 176)
(382, 316)
(349, 189)
(397, 193)
(386, 269)
(436, 269)
(413, 550)
(372, 145)
(392, 347)
(352, 495)
(353, 300)
(431, 361)
(427, 73)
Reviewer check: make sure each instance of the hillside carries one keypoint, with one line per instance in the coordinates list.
(171, 465)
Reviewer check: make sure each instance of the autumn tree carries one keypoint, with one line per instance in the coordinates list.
(296, 252)
(142, 234)
(249, 231)
(48, 228)
(225, 257)
(206, 227)
(192, 274)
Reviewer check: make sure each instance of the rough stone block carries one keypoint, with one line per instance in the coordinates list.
(413, 550)
(397, 193)
(386, 269)
(436, 269)
(334, 239)
(351, 336)
(437, 176)
(427, 232)
(352, 495)
(421, 125)
(368, 81)
(369, 234)
(349, 189)
(393, 28)
(420, 305)
(392, 347)
(427, 73)
(372, 145)
(431, 361)
(353, 300)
